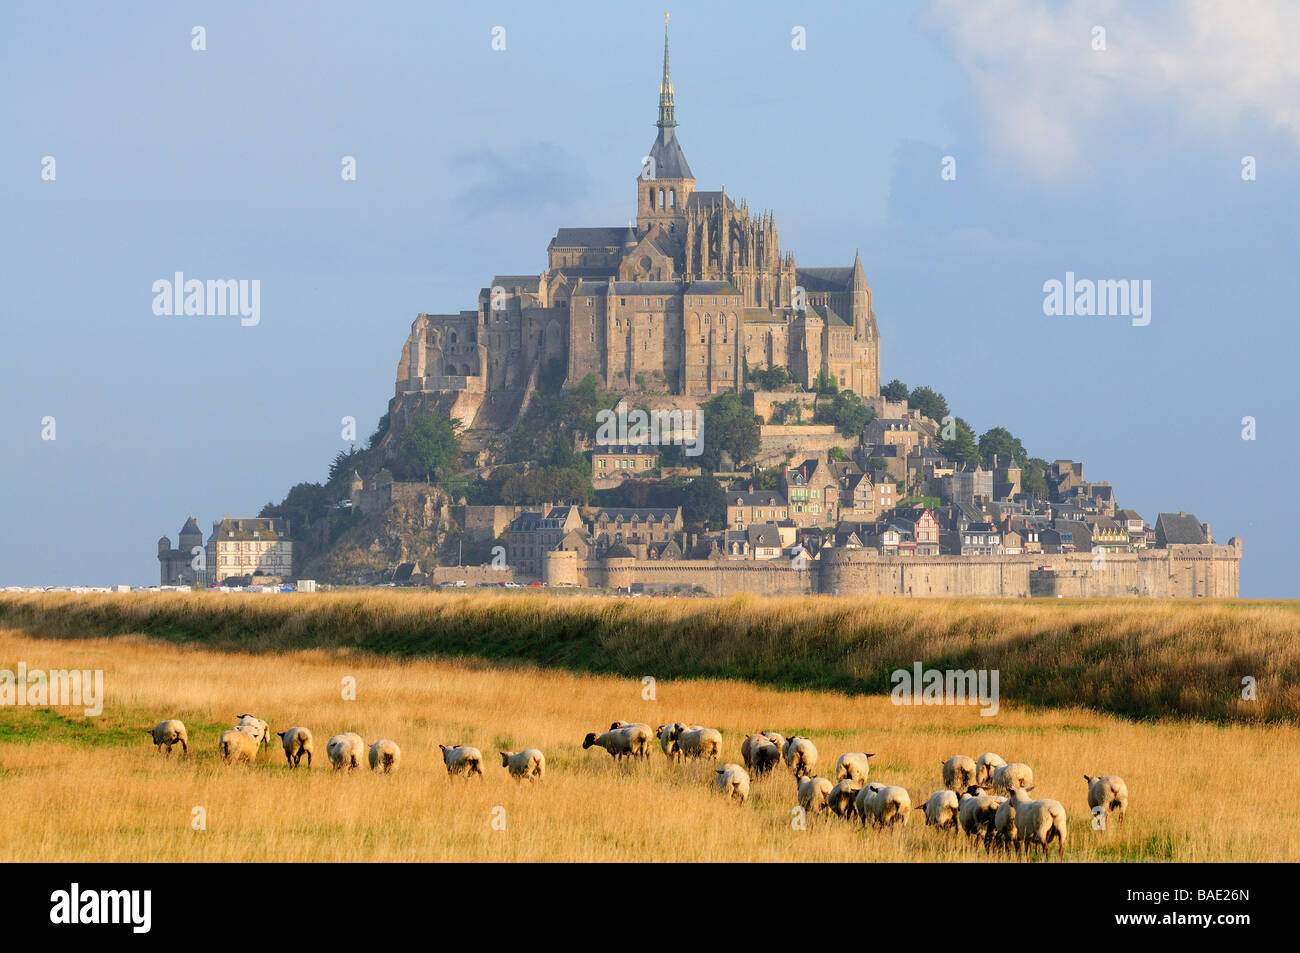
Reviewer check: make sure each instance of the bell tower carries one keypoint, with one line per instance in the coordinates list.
(665, 182)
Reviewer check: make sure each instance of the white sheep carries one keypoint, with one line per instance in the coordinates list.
(170, 732)
(667, 735)
(263, 733)
(759, 754)
(462, 759)
(941, 810)
(776, 738)
(626, 741)
(885, 805)
(843, 798)
(1108, 792)
(1041, 822)
(530, 764)
(238, 744)
(346, 751)
(385, 756)
(800, 755)
(297, 742)
(984, 766)
(696, 742)
(813, 794)
(1005, 829)
(733, 781)
(853, 765)
(958, 774)
(977, 811)
(1012, 776)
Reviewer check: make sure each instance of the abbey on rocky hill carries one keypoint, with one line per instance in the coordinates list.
(678, 304)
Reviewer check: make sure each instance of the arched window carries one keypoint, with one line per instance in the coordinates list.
(661, 199)
(672, 197)
(453, 337)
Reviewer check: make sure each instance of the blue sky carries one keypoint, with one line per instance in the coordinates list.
(225, 163)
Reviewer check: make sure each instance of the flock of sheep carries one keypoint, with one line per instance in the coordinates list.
(250, 733)
(987, 799)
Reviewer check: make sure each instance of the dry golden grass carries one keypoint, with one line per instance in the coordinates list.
(1200, 792)
(1142, 658)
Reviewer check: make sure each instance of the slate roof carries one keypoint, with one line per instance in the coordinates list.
(755, 498)
(670, 161)
(704, 199)
(1178, 528)
(825, 279)
(589, 237)
(711, 288)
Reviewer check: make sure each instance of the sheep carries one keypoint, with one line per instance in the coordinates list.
(763, 757)
(800, 754)
(842, 799)
(733, 781)
(976, 811)
(263, 729)
(628, 741)
(238, 744)
(462, 759)
(385, 756)
(813, 794)
(958, 774)
(884, 805)
(941, 810)
(747, 745)
(984, 766)
(170, 732)
(297, 742)
(696, 742)
(530, 764)
(776, 738)
(1041, 822)
(1012, 776)
(345, 751)
(853, 765)
(667, 735)
(1005, 830)
(1108, 792)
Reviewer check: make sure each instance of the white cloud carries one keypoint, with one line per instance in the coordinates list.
(1047, 92)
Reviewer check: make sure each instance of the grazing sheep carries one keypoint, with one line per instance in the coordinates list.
(168, 733)
(263, 729)
(776, 738)
(733, 781)
(800, 754)
(697, 742)
(941, 810)
(667, 735)
(628, 741)
(345, 751)
(813, 794)
(976, 811)
(747, 746)
(1109, 791)
(1041, 822)
(853, 765)
(462, 759)
(1012, 776)
(843, 798)
(238, 744)
(763, 757)
(297, 742)
(958, 774)
(385, 755)
(1005, 831)
(984, 766)
(530, 764)
(884, 805)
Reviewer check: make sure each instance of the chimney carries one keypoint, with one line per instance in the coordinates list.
(1205, 527)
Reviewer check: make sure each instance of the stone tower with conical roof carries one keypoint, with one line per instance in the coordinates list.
(665, 181)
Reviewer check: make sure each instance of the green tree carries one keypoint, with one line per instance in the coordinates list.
(731, 427)
(999, 440)
(704, 501)
(847, 412)
(1033, 478)
(962, 447)
(431, 445)
(895, 390)
(929, 402)
(836, 454)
